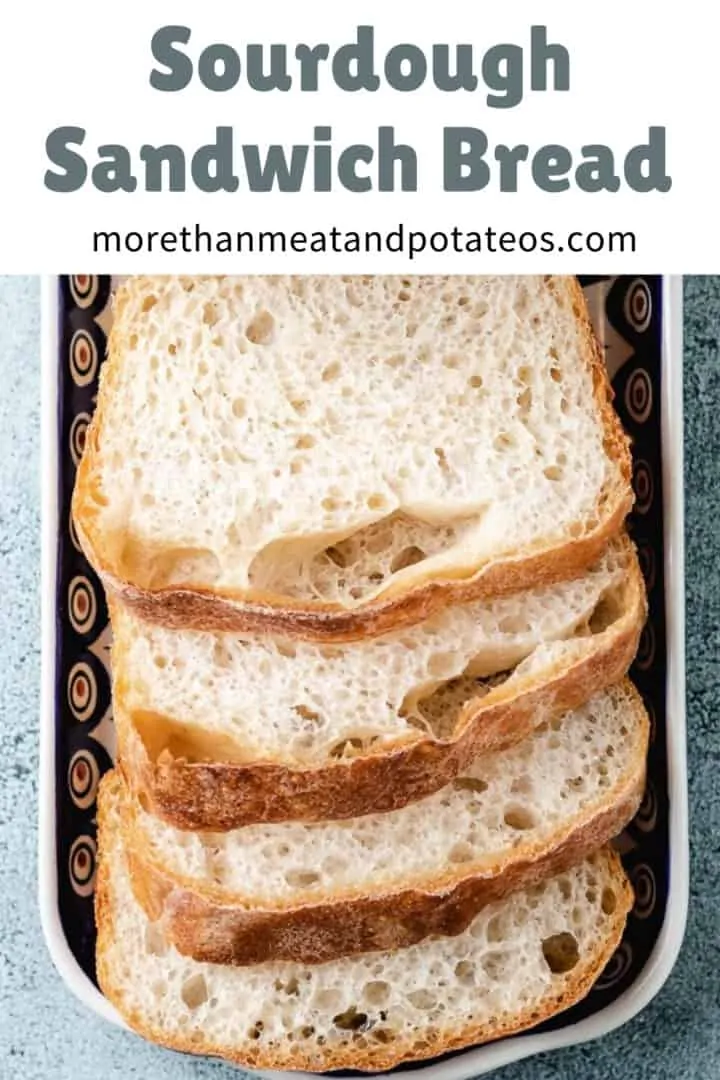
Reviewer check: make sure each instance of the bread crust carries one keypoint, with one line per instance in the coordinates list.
(356, 1053)
(396, 605)
(215, 925)
(219, 796)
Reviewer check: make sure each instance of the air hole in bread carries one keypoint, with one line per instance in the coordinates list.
(222, 657)
(376, 992)
(403, 295)
(475, 381)
(336, 556)
(382, 1035)
(376, 501)
(306, 713)
(607, 611)
(504, 441)
(443, 707)
(496, 965)
(209, 315)
(351, 1020)
(194, 992)
(465, 972)
(422, 999)
(442, 459)
(519, 817)
(561, 952)
(302, 879)
(409, 556)
(524, 401)
(149, 303)
(461, 852)
(305, 442)
(155, 941)
(261, 330)
(331, 371)
(239, 408)
(608, 901)
(553, 472)
(349, 747)
(470, 783)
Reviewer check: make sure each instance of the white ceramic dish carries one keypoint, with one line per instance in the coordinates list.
(70, 951)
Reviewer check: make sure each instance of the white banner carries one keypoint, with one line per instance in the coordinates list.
(193, 137)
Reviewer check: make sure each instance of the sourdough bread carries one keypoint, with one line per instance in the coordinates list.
(220, 730)
(332, 456)
(314, 892)
(519, 961)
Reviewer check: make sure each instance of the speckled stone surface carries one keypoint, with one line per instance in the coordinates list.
(46, 1035)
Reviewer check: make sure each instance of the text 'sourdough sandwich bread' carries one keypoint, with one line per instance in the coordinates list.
(313, 893)
(217, 731)
(332, 457)
(519, 961)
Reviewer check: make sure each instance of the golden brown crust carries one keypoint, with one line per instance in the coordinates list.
(213, 925)
(357, 1053)
(221, 796)
(252, 611)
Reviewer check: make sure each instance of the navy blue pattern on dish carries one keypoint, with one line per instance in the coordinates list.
(627, 313)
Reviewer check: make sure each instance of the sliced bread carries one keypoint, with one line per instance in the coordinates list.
(218, 731)
(312, 893)
(336, 456)
(520, 961)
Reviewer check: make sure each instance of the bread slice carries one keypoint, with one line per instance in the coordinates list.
(315, 892)
(519, 962)
(333, 457)
(217, 731)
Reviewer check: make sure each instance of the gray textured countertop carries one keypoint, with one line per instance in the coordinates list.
(46, 1035)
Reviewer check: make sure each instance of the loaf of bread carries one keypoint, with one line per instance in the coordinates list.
(335, 456)
(518, 962)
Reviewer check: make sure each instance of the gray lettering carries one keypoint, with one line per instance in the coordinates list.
(154, 157)
(550, 167)
(645, 164)
(509, 157)
(502, 70)
(390, 153)
(229, 75)
(114, 174)
(278, 79)
(347, 167)
(275, 169)
(309, 64)
(597, 172)
(180, 69)
(57, 148)
(353, 64)
(463, 166)
(399, 79)
(322, 160)
(219, 155)
(541, 56)
(463, 78)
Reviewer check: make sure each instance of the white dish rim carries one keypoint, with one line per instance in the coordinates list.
(480, 1060)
